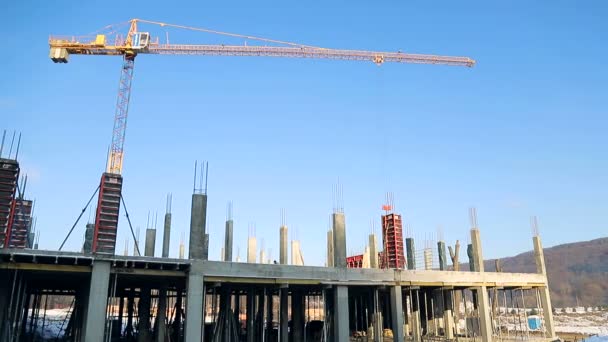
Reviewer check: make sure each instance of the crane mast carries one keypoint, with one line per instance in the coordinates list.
(138, 42)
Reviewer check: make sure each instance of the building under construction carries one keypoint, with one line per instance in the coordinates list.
(109, 297)
(149, 298)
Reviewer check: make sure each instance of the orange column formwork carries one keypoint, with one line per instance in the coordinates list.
(355, 261)
(9, 174)
(392, 240)
(21, 225)
(106, 219)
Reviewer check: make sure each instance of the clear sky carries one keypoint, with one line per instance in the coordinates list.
(522, 133)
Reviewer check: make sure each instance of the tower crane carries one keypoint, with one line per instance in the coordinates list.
(139, 42)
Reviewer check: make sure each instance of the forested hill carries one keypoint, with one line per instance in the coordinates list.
(576, 271)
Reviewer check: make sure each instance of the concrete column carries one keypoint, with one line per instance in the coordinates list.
(88, 238)
(4, 301)
(297, 316)
(296, 256)
(262, 256)
(270, 311)
(339, 227)
(341, 316)
(373, 251)
(97, 300)
(448, 317)
(283, 315)
(545, 298)
(161, 317)
(477, 253)
(330, 248)
(377, 319)
(410, 251)
(443, 265)
(237, 307)
(228, 240)
(251, 250)
(416, 317)
(166, 235)
(283, 256)
(260, 314)
(198, 219)
(206, 247)
(485, 323)
(397, 313)
(250, 315)
(483, 303)
(428, 259)
(193, 330)
(150, 242)
(143, 310)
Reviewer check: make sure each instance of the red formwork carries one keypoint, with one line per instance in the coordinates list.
(21, 225)
(106, 217)
(9, 175)
(392, 241)
(355, 261)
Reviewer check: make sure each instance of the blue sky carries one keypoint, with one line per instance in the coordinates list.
(520, 134)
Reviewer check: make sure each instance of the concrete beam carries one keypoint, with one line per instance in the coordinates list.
(397, 313)
(97, 300)
(326, 275)
(194, 303)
